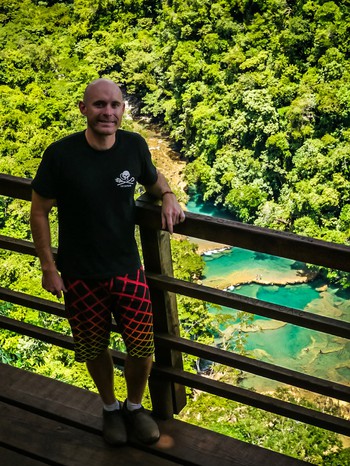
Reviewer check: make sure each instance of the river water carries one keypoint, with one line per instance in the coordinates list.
(286, 345)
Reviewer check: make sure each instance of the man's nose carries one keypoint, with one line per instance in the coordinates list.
(108, 110)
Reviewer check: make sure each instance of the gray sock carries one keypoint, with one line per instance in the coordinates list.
(132, 406)
(113, 407)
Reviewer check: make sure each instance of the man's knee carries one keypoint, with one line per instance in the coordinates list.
(140, 361)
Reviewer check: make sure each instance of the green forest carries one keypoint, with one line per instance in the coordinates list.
(254, 95)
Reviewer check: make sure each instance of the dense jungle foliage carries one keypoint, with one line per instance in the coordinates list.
(256, 96)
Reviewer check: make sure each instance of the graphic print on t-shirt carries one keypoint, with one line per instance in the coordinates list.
(125, 180)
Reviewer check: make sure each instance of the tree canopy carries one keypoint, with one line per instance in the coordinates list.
(255, 94)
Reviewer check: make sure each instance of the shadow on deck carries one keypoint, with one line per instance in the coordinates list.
(45, 421)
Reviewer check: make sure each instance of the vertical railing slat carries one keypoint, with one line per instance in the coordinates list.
(168, 398)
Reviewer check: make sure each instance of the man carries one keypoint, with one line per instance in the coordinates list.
(91, 177)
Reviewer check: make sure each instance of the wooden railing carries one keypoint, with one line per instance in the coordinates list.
(168, 378)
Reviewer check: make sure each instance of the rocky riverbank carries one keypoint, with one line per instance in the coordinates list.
(261, 277)
(166, 159)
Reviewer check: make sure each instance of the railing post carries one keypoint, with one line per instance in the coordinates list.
(168, 398)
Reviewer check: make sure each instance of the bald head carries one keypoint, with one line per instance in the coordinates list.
(103, 106)
(101, 84)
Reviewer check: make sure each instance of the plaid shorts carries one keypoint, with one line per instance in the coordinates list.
(90, 305)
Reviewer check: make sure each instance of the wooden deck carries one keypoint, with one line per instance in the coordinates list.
(44, 421)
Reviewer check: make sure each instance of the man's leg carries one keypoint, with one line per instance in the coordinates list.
(133, 312)
(101, 371)
(139, 423)
(88, 309)
(136, 373)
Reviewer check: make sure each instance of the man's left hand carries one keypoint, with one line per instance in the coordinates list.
(172, 213)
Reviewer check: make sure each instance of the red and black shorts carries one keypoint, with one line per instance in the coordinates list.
(90, 305)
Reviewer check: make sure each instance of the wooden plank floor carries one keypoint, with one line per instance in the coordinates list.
(44, 421)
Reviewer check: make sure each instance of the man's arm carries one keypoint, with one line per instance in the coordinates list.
(39, 223)
(172, 212)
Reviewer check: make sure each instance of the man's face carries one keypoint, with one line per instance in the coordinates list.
(103, 108)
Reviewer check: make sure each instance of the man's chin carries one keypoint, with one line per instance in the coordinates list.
(106, 130)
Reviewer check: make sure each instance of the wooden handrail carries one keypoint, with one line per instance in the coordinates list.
(230, 359)
(251, 305)
(167, 375)
(179, 376)
(278, 243)
(267, 403)
(222, 298)
(254, 366)
(265, 240)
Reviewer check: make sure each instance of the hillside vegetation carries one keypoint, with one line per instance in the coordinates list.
(256, 96)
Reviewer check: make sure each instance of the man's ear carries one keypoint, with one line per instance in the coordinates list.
(82, 107)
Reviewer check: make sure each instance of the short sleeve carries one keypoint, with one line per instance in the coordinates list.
(149, 173)
(45, 182)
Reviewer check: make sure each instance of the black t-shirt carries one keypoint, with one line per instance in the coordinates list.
(95, 201)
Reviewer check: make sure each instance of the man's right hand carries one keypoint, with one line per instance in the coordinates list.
(53, 283)
(39, 222)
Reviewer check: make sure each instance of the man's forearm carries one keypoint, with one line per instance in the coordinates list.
(172, 213)
(51, 279)
(160, 187)
(42, 240)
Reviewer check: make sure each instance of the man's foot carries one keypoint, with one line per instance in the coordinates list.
(114, 431)
(140, 424)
